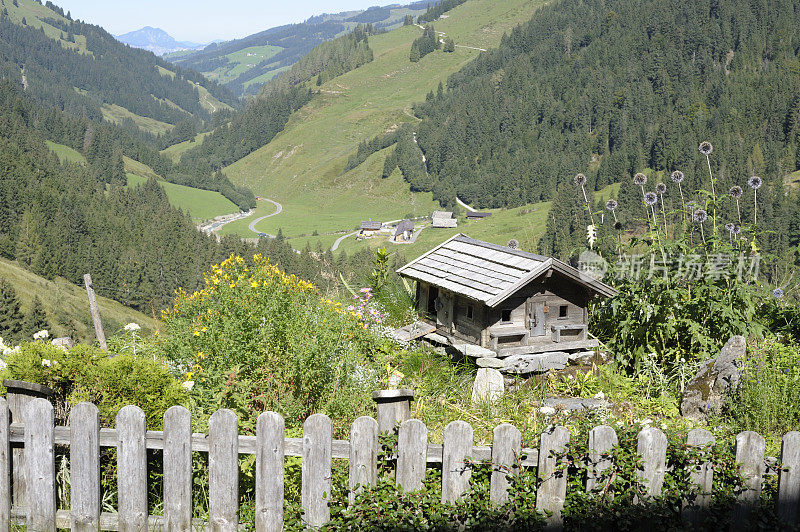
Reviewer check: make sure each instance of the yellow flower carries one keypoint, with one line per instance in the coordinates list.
(254, 284)
(189, 375)
(197, 333)
(204, 329)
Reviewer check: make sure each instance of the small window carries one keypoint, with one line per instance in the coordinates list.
(562, 311)
(469, 312)
(505, 315)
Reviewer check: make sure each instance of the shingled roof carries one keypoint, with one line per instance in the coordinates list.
(487, 272)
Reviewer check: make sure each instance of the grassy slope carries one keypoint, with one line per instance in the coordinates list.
(302, 167)
(66, 154)
(64, 301)
(175, 151)
(116, 114)
(239, 62)
(200, 204)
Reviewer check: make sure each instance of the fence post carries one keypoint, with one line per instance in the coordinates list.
(177, 469)
(553, 488)
(750, 459)
(789, 479)
(702, 475)
(223, 470)
(270, 433)
(40, 465)
(20, 394)
(393, 406)
(316, 469)
(601, 440)
(132, 469)
(363, 455)
(455, 470)
(506, 451)
(412, 454)
(84, 472)
(5, 470)
(652, 448)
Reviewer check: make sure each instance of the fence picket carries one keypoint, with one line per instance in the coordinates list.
(316, 470)
(40, 465)
(84, 473)
(601, 440)
(177, 469)
(506, 451)
(270, 429)
(702, 475)
(456, 472)
(132, 469)
(5, 470)
(750, 459)
(363, 454)
(789, 478)
(412, 452)
(553, 488)
(223, 470)
(651, 445)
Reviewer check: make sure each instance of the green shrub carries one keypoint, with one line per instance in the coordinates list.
(768, 398)
(86, 373)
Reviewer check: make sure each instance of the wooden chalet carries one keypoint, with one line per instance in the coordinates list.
(477, 215)
(370, 228)
(404, 231)
(503, 300)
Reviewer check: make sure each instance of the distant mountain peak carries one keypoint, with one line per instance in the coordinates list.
(157, 41)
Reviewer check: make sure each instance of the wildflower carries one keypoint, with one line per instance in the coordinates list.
(755, 182)
(580, 180)
(3, 365)
(254, 284)
(730, 227)
(41, 335)
(706, 148)
(650, 198)
(677, 176)
(46, 362)
(700, 216)
(737, 230)
(188, 385)
(640, 179)
(132, 327)
(661, 188)
(736, 192)
(612, 205)
(777, 293)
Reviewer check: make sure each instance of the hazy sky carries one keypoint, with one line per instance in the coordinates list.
(204, 20)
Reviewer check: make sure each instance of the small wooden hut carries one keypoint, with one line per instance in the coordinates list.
(404, 231)
(502, 300)
(370, 228)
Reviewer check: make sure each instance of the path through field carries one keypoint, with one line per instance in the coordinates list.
(278, 210)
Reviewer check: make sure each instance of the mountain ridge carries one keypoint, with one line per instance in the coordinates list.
(157, 40)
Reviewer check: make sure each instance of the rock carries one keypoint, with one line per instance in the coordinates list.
(575, 403)
(547, 410)
(486, 362)
(474, 351)
(488, 386)
(582, 358)
(522, 364)
(705, 393)
(65, 341)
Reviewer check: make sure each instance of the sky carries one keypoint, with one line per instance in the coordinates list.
(204, 20)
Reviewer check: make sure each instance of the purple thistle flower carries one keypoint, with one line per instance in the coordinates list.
(612, 205)
(580, 180)
(661, 188)
(677, 176)
(650, 198)
(706, 148)
(777, 293)
(755, 182)
(736, 192)
(730, 227)
(700, 216)
(639, 179)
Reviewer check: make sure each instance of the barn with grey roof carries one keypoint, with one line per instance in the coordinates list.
(503, 300)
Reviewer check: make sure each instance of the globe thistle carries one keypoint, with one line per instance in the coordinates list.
(706, 148)
(737, 230)
(777, 293)
(755, 182)
(700, 216)
(650, 198)
(612, 205)
(677, 176)
(640, 179)
(661, 188)
(736, 192)
(730, 227)
(580, 180)
(692, 205)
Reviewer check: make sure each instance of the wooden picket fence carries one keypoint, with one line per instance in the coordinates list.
(39, 436)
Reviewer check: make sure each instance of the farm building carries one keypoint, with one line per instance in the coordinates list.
(493, 301)
(403, 231)
(370, 228)
(443, 219)
(477, 215)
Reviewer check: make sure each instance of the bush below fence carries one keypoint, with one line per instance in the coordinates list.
(37, 506)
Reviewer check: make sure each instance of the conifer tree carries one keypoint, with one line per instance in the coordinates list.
(36, 319)
(11, 318)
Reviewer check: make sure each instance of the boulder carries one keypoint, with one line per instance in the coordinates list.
(65, 342)
(575, 403)
(705, 393)
(540, 363)
(486, 362)
(488, 386)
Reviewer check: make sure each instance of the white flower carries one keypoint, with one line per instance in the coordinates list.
(188, 385)
(131, 327)
(46, 362)
(547, 410)
(41, 335)
(3, 364)
(600, 395)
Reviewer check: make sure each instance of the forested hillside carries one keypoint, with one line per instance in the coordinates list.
(80, 68)
(609, 88)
